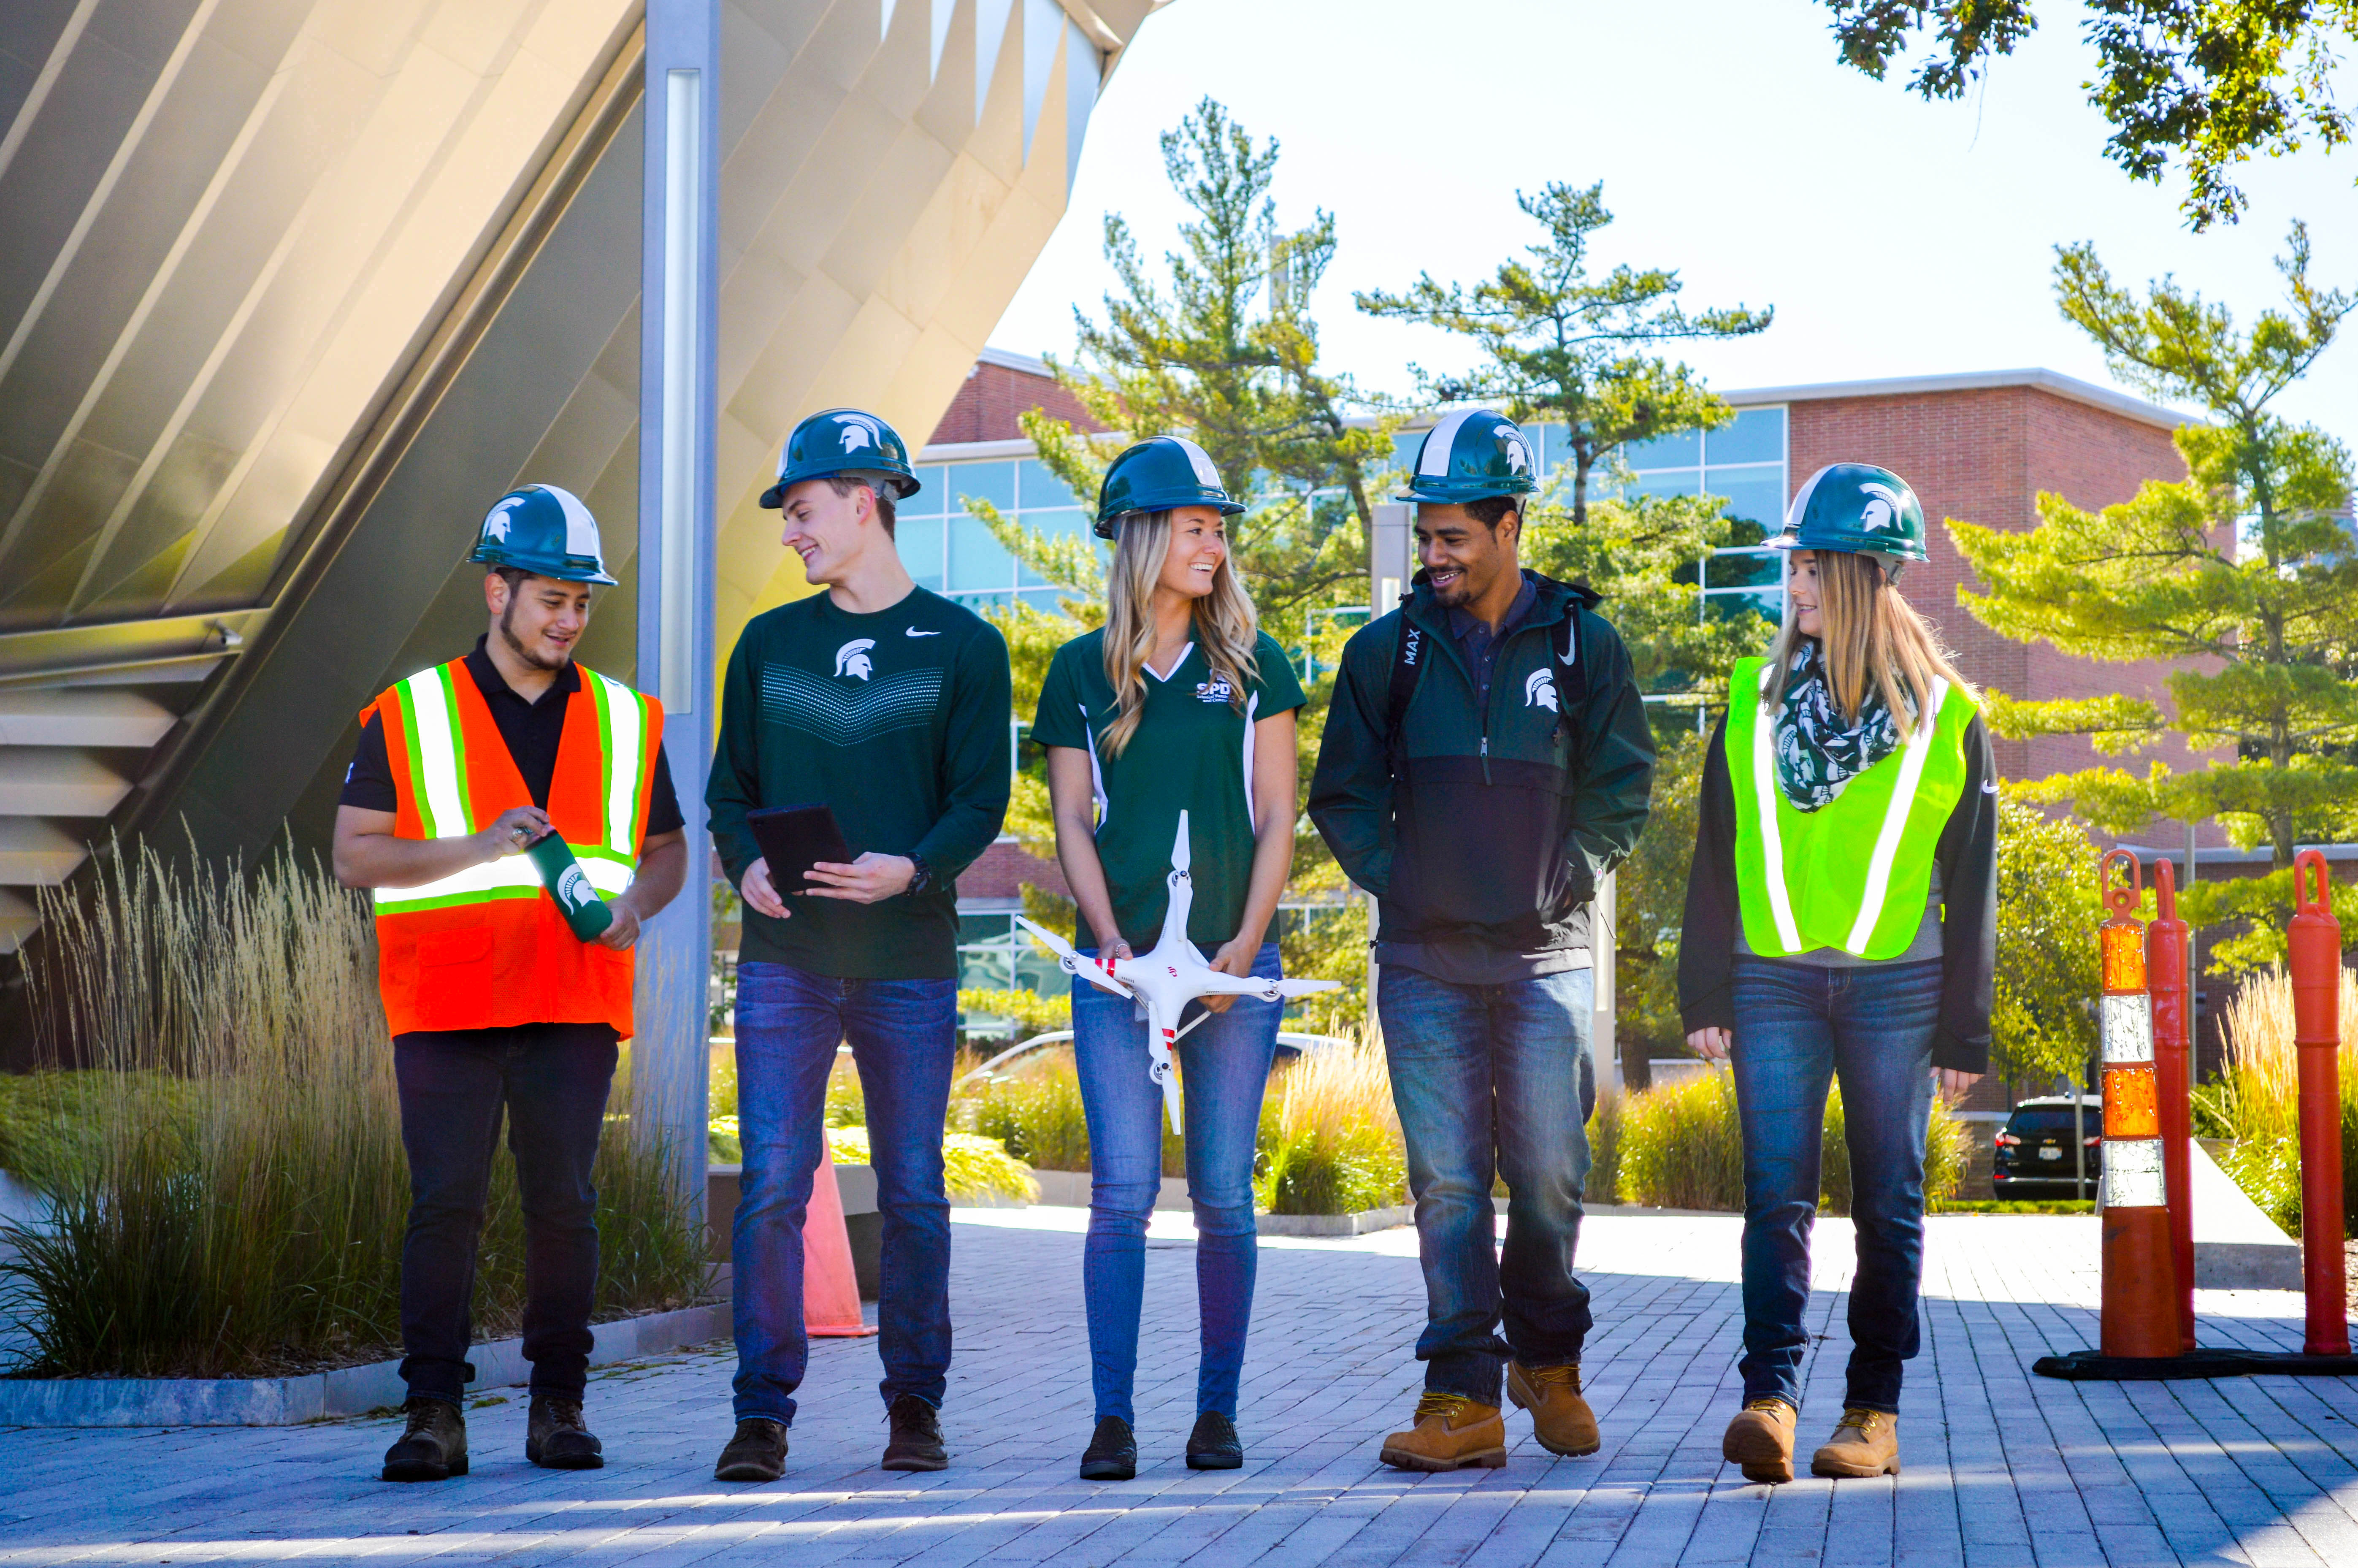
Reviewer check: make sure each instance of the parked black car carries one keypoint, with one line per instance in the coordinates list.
(2034, 1148)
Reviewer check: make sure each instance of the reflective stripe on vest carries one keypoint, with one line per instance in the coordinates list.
(436, 774)
(1800, 881)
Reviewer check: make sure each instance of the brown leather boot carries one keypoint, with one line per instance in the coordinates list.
(1449, 1433)
(1760, 1439)
(434, 1445)
(1561, 1419)
(1865, 1444)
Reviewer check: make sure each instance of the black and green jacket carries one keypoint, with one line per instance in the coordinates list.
(1486, 827)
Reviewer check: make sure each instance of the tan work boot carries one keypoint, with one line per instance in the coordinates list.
(1561, 1419)
(1760, 1439)
(1865, 1444)
(1450, 1431)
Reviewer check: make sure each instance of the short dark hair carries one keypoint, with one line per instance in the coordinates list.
(516, 577)
(1491, 510)
(875, 484)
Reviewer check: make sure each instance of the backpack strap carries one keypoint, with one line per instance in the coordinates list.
(1408, 667)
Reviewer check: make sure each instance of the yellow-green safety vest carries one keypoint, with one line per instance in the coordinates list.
(1856, 872)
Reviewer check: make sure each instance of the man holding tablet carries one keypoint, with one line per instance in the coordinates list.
(888, 705)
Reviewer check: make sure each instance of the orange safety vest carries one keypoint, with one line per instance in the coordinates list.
(487, 947)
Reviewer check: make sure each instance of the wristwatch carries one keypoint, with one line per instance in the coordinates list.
(922, 878)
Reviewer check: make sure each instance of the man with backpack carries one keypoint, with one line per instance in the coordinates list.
(1487, 760)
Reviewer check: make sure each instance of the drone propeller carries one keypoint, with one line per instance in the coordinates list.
(1072, 963)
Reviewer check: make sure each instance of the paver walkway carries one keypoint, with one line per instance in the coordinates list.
(2004, 1469)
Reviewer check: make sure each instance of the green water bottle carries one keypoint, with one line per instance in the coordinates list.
(570, 885)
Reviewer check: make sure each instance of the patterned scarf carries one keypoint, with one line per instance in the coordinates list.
(1817, 753)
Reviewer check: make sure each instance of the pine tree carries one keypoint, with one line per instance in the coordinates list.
(2245, 574)
(1562, 347)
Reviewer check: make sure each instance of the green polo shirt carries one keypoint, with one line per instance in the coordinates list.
(1192, 751)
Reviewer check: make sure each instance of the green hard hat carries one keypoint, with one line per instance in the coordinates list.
(1472, 454)
(1856, 509)
(1157, 474)
(842, 440)
(543, 530)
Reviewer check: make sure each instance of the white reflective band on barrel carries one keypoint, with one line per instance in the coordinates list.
(442, 792)
(2132, 1173)
(625, 725)
(2127, 1029)
(510, 876)
(1772, 844)
(1895, 822)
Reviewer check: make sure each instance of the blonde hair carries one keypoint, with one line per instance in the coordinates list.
(1226, 623)
(1870, 633)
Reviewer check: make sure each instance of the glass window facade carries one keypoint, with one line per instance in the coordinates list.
(1742, 463)
(947, 549)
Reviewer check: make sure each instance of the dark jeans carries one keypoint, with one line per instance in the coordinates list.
(903, 1036)
(1493, 1081)
(549, 1080)
(1798, 1025)
(1224, 1067)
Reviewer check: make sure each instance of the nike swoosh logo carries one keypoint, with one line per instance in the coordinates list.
(915, 632)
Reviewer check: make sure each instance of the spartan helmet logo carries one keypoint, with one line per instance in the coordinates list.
(1884, 505)
(495, 526)
(573, 888)
(858, 433)
(1539, 690)
(851, 659)
(1518, 452)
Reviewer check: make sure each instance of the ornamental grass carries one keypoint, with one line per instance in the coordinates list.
(1330, 1138)
(1682, 1146)
(2256, 1100)
(222, 1164)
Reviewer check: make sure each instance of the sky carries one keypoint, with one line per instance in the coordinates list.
(1894, 237)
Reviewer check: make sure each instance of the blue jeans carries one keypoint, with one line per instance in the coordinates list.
(904, 1035)
(1798, 1025)
(1223, 1064)
(1494, 1081)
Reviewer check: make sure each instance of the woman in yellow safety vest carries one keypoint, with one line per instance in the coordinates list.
(1840, 923)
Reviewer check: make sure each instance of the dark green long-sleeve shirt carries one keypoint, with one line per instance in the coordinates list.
(900, 720)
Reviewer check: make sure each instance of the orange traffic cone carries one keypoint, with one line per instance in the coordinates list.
(830, 1288)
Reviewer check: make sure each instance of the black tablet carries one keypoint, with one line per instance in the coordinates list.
(793, 839)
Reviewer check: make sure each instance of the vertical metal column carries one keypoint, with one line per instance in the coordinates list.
(677, 331)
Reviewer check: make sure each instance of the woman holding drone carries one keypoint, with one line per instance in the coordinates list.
(1179, 704)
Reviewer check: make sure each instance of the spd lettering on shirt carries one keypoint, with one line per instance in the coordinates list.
(1217, 689)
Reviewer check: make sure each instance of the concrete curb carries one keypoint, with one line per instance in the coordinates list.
(1070, 1189)
(2237, 1245)
(1358, 1224)
(349, 1391)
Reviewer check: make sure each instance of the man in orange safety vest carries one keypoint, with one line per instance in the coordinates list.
(497, 1008)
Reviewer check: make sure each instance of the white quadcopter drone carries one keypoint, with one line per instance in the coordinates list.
(1164, 982)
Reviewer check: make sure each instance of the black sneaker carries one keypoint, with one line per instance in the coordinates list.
(555, 1438)
(1214, 1444)
(916, 1440)
(434, 1448)
(1113, 1453)
(758, 1453)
